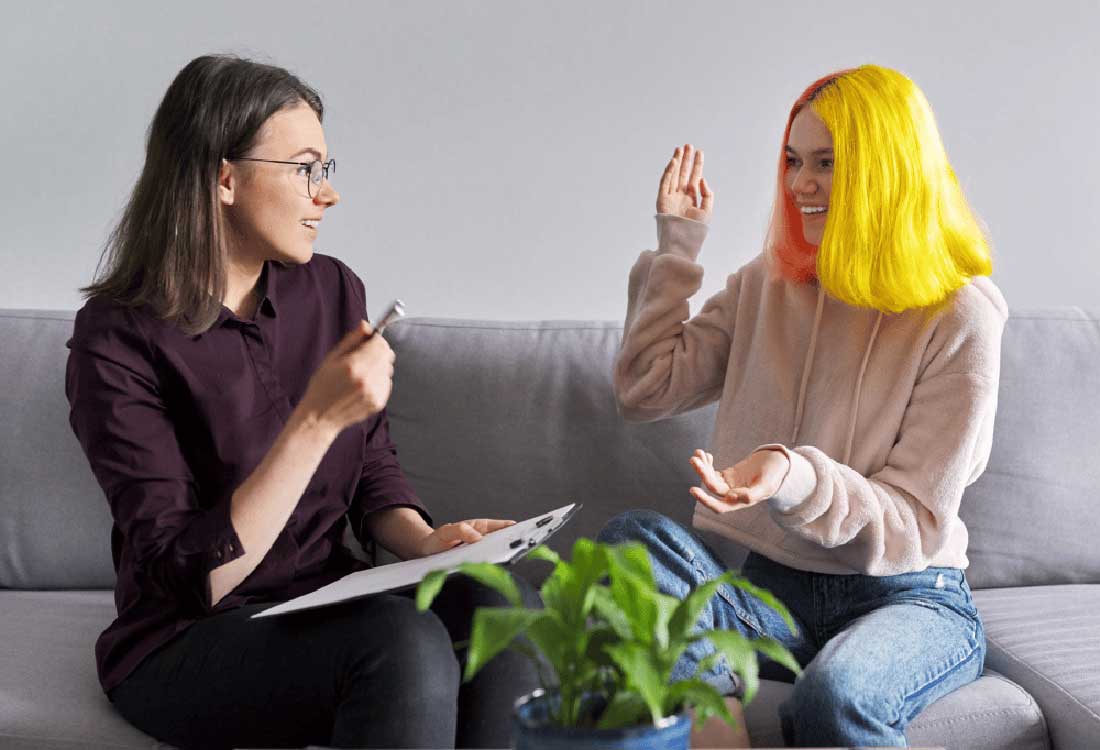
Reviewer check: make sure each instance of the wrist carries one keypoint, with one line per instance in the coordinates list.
(401, 530)
(678, 235)
(782, 451)
(311, 426)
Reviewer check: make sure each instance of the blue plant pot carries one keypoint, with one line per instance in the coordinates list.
(532, 730)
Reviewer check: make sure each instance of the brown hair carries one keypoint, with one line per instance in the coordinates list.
(168, 251)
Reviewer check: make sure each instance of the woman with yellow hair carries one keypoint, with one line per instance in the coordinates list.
(856, 364)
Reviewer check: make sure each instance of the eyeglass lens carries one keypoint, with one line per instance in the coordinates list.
(318, 171)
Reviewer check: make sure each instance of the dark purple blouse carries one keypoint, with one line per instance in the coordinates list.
(172, 424)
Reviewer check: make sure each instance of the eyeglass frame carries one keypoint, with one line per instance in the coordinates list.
(326, 166)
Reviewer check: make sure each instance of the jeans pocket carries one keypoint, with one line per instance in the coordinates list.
(955, 607)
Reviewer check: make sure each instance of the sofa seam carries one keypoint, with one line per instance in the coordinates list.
(978, 715)
(75, 743)
(533, 326)
(1042, 677)
(38, 317)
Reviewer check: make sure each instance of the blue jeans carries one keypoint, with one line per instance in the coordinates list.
(875, 650)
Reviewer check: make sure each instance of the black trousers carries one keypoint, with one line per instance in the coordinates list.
(363, 674)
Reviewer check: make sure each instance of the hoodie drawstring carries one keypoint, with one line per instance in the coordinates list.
(807, 365)
(859, 390)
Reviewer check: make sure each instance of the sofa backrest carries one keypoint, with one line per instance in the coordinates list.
(55, 528)
(511, 419)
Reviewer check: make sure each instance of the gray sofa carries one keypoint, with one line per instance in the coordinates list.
(509, 419)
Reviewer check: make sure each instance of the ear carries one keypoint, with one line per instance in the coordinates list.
(227, 182)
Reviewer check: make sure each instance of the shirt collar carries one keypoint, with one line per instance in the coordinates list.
(268, 297)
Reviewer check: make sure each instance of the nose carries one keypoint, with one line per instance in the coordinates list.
(326, 194)
(804, 183)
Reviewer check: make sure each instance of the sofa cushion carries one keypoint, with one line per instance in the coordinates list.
(991, 713)
(1034, 513)
(1047, 639)
(50, 697)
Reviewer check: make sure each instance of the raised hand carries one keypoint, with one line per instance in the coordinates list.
(683, 190)
(746, 483)
(452, 534)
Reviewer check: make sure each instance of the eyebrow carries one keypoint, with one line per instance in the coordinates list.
(815, 152)
(304, 151)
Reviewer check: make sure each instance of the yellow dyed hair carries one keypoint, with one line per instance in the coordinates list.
(899, 232)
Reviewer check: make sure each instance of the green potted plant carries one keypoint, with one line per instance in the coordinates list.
(609, 640)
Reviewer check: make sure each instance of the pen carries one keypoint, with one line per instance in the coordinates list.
(396, 310)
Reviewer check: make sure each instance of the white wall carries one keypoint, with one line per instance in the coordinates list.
(499, 159)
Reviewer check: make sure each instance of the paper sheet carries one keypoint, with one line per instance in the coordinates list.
(503, 546)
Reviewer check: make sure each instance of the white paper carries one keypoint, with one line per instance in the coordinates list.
(498, 547)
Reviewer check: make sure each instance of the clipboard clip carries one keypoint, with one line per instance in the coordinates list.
(524, 545)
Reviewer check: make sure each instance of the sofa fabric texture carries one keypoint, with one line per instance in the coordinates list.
(509, 419)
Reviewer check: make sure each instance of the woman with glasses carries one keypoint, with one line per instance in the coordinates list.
(855, 363)
(230, 398)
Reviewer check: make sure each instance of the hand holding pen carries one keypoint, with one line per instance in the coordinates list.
(355, 379)
(396, 310)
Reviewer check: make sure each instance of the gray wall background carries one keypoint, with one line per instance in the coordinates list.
(500, 159)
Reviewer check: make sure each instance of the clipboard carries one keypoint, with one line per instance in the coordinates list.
(505, 546)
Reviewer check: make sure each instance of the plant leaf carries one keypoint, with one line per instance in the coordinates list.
(633, 558)
(666, 607)
(688, 612)
(703, 697)
(625, 709)
(590, 566)
(429, 588)
(555, 640)
(635, 592)
(740, 657)
(494, 628)
(775, 651)
(542, 552)
(496, 578)
(708, 662)
(599, 637)
(765, 596)
(604, 604)
(566, 590)
(637, 665)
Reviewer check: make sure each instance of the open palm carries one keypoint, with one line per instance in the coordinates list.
(746, 483)
(683, 190)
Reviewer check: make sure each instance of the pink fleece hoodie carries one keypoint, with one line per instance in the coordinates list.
(886, 418)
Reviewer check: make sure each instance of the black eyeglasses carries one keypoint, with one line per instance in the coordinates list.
(315, 171)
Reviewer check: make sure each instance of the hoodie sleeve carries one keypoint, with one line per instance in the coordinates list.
(899, 517)
(668, 364)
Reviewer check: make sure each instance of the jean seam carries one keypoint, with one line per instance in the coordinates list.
(953, 666)
(742, 615)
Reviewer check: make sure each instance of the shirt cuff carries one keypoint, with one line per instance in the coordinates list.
(225, 546)
(799, 483)
(679, 236)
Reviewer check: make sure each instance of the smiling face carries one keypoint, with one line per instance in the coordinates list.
(808, 176)
(267, 206)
